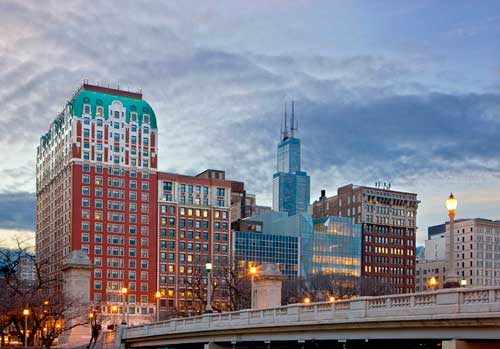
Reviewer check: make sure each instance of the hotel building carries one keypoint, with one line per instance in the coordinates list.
(96, 188)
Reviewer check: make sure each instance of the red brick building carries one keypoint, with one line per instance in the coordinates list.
(97, 192)
(193, 229)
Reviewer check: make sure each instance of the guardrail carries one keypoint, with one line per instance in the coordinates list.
(442, 303)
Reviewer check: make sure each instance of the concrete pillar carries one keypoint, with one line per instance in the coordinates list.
(76, 290)
(469, 344)
(267, 286)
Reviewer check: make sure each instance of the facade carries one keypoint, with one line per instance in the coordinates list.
(291, 185)
(242, 203)
(27, 269)
(477, 251)
(96, 187)
(330, 245)
(251, 248)
(388, 221)
(336, 246)
(477, 254)
(193, 229)
(435, 249)
(427, 269)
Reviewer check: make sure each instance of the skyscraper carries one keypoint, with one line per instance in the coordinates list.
(291, 186)
(97, 191)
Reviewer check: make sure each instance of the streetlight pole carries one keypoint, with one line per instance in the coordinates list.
(208, 268)
(26, 313)
(253, 272)
(124, 293)
(158, 296)
(451, 275)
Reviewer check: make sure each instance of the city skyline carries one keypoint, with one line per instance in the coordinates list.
(375, 103)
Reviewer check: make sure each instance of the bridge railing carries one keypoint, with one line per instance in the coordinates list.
(407, 306)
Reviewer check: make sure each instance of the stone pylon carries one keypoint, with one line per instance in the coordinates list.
(76, 289)
(267, 286)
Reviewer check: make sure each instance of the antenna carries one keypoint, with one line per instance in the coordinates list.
(292, 128)
(285, 132)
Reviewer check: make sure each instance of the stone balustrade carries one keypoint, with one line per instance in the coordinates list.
(440, 304)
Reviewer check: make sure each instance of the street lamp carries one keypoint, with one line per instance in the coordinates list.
(124, 294)
(463, 282)
(26, 313)
(252, 272)
(158, 296)
(114, 310)
(307, 300)
(208, 268)
(451, 275)
(433, 282)
(332, 299)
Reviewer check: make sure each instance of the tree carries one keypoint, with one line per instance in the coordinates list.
(39, 295)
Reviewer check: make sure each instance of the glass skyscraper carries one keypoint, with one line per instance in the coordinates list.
(291, 186)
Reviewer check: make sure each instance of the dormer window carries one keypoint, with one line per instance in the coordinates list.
(99, 111)
(86, 109)
(133, 117)
(116, 114)
(145, 118)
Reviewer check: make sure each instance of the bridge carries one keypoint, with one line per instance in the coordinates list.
(448, 318)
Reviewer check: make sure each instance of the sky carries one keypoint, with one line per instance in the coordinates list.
(406, 92)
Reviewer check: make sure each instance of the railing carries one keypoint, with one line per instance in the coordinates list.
(446, 303)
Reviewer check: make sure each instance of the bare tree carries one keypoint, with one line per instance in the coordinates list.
(38, 295)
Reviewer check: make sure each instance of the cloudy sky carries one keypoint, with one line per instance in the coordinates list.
(406, 92)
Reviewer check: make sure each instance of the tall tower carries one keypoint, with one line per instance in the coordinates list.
(291, 185)
(96, 189)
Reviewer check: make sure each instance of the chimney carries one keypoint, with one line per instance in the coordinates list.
(323, 194)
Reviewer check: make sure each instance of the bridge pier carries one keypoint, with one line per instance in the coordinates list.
(462, 344)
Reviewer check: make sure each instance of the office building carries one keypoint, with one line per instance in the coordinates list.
(193, 229)
(427, 270)
(388, 219)
(291, 185)
(96, 188)
(251, 248)
(242, 203)
(329, 245)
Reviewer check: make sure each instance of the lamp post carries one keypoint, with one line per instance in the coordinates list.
(26, 313)
(252, 272)
(307, 300)
(114, 310)
(451, 275)
(433, 283)
(208, 268)
(124, 294)
(158, 296)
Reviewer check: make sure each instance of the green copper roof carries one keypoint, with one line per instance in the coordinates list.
(104, 99)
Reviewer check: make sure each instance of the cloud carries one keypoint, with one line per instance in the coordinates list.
(398, 117)
(17, 211)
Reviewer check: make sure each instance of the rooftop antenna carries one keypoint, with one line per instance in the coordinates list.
(292, 128)
(285, 132)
